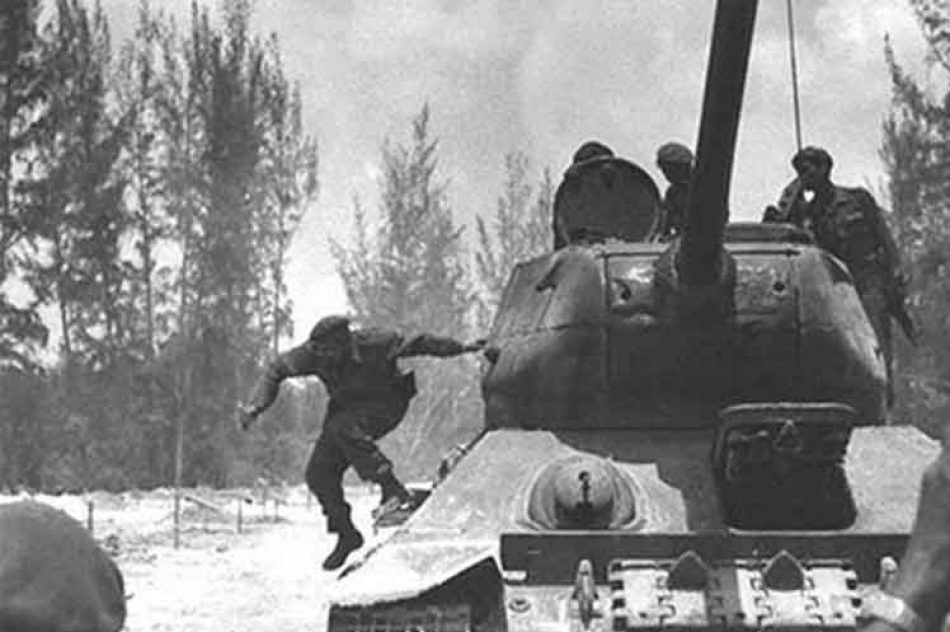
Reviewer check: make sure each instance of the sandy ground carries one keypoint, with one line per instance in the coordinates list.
(265, 578)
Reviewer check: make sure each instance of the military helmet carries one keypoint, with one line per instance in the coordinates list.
(812, 154)
(590, 150)
(674, 154)
(328, 326)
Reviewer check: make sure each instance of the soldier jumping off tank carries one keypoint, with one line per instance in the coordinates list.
(676, 163)
(369, 396)
(848, 223)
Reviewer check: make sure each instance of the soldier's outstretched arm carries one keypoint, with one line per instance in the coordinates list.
(428, 344)
(300, 360)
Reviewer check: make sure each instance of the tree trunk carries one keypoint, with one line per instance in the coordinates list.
(147, 266)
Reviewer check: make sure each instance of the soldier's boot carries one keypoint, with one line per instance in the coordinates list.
(394, 495)
(348, 540)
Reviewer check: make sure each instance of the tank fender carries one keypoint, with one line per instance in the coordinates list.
(396, 572)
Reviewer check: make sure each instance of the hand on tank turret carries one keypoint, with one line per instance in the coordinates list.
(475, 346)
(244, 415)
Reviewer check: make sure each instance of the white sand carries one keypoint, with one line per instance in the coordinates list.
(267, 578)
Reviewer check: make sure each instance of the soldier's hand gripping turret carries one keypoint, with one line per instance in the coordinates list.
(475, 346)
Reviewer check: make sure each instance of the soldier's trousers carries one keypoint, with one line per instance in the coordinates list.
(349, 438)
(874, 299)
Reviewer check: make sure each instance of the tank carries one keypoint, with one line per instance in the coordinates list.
(679, 435)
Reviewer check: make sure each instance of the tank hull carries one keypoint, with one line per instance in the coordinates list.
(475, 523)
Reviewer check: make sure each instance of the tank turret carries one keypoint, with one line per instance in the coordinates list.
(622, 332)
(684, 434)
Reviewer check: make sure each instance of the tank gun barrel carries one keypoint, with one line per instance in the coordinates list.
(707, 214)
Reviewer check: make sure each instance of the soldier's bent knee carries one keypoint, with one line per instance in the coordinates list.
(373, 468)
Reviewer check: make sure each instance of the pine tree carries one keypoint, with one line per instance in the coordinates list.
(22, 82)
(408, 275)
(288, 181)
(237, 169)
(520, 230)
(80, 194)
(197, 151)
(916, 152)
(140, 90)
(414, 277)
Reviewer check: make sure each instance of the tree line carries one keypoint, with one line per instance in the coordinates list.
(915, 150)
(411, 270)
(149, 194)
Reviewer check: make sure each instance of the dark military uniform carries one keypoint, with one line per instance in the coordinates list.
(676, 162)
(848, 223)
(589, 152)
(673, 211)
(368, 397)
(852, 228)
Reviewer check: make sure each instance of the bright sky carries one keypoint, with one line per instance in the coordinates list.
(544, 76)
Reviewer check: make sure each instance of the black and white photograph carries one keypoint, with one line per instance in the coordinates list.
(474, 315)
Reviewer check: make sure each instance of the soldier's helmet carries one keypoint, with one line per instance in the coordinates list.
(814, 155)
(674, 154)
(328, 328)
(591, 150)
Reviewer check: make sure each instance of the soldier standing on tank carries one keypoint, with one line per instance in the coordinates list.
(369, 396)
(676, 163)
(587, 153)
(848, 223)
